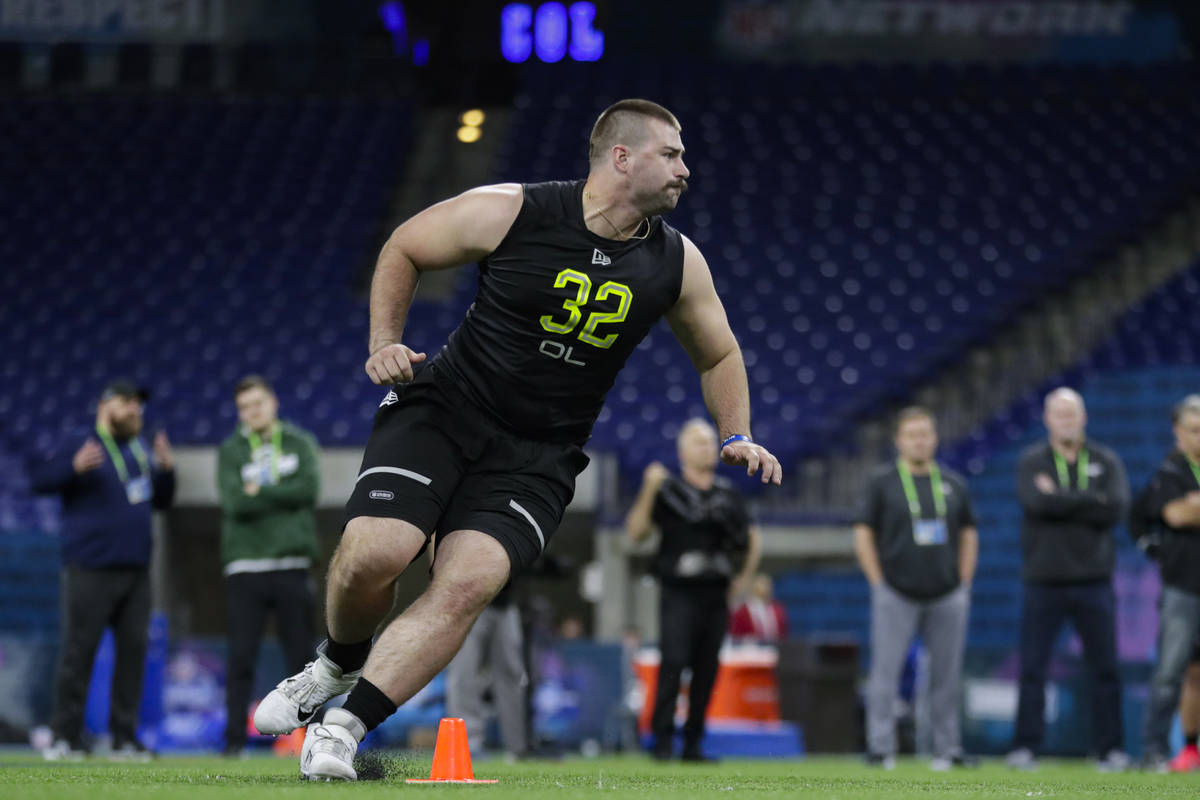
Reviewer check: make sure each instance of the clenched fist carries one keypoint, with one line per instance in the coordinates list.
(654, 476)
(392, 364)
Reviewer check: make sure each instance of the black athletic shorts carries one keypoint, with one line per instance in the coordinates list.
(434, 459)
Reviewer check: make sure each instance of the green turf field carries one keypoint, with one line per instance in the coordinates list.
(22, 776)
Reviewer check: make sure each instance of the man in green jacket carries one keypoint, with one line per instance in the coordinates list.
(268, 476)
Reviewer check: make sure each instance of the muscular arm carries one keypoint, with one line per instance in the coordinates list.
(456, 231)
(699, 323)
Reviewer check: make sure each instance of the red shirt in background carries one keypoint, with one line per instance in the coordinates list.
(754, 619)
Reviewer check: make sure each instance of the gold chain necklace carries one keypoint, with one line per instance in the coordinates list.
(618, 230)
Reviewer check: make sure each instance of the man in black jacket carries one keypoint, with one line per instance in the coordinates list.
(1073, 492)
(708, 540)
(109, 485)
(1175, 496)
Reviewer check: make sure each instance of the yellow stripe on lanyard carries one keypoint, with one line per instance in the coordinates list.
(910, 490)
(118, 460)
(1081, 470)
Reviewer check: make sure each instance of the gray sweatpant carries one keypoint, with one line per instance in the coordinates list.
(942, 624)
(491, 655)
(1178, 627)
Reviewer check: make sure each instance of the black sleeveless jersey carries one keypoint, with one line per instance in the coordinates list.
(558, 311)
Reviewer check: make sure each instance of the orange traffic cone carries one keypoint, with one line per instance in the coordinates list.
(289, 744)
(451, 755)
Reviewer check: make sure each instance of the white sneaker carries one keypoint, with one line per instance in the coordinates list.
(130, 751)
(1115, 761)
(1021, 759)
(941, 764)
(62, 750)
(295, 701)
(881, 761)
(329, 748)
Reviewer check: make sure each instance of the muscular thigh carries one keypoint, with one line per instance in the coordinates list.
(516, 492)
(378, 545)
(470, 563)
(414, 459)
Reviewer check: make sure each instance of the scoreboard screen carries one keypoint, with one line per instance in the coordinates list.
(550, 32)
(546, 31)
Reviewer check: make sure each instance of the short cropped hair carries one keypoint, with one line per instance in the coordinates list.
(910, 413)
(252, 382)
(624, 123)
(1188, 405)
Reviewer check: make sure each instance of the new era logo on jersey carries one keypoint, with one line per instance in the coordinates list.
(600, 258)
(389, 398)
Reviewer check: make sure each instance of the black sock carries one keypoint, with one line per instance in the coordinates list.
(1190, 739)
(348, 656)
(369, 704)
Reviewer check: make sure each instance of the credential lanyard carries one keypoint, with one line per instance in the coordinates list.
(1195, 469)
(910, 490)
(118, 460)
(1081, 470)
(276, 449)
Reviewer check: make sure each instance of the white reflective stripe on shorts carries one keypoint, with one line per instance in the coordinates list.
(407, 473)
(515, 506)
(242, 565)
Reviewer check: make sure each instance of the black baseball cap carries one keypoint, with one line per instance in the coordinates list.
(122, 387)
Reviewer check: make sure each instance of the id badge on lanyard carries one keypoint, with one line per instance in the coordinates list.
(266, 462)
(929, 531)
(139, 489)
(926, 532)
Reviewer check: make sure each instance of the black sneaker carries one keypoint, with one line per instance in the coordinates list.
(956, 761)
(695, 755)
(880, 761)
(1155, 762)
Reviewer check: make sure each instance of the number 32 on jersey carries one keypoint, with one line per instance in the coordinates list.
(574, 309)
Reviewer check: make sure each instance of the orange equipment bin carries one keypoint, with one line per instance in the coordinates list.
(746, 688)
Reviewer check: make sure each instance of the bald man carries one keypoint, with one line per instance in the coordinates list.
(706, 532)
(1073, 492)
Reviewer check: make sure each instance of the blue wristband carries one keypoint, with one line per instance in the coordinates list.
(737, 437)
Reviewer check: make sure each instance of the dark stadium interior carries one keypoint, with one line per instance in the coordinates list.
(964, 232)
